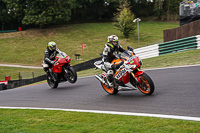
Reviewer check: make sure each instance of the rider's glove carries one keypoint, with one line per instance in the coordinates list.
(53, 62)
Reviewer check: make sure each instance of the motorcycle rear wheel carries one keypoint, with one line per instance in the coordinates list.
(51, 82)
(147, 85)
(111, 91)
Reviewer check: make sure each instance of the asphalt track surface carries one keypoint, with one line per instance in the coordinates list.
(177, 92)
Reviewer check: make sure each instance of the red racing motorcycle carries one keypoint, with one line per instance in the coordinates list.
(61, 71)
(128, 76)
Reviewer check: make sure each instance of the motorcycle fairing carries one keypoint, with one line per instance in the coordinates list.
(125, 77)
(122, 75)
(137, 74)
(57, 68)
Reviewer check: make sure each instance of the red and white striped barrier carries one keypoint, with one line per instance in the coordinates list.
(7, 78)
(4, 82)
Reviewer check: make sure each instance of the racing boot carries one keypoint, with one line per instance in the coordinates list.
(46, 68)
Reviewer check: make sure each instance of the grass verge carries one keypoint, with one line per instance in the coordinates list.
(23, 121)
(27, 47)
(24, 72)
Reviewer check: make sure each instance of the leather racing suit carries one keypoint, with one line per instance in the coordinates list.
(49, 56)
(109, 53)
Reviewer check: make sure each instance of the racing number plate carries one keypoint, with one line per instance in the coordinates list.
(120, 74)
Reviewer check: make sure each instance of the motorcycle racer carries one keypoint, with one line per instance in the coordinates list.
(49, 55)
(110, 51)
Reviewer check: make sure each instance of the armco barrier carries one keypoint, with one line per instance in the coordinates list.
(86, 65)
(18, 83)
(148, 51)
(2, 87)
(198, 42)
(178, 45)
(192, 42)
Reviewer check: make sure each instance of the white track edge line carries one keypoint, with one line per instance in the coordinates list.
(113, 112)
(171, 67)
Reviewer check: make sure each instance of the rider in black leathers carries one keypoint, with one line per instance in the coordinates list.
(49, 55)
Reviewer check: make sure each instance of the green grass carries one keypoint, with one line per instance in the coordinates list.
(27, 47)
(190, 57)
(34, 121)
(13, 72)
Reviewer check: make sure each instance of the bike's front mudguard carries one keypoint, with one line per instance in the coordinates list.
(137, 74)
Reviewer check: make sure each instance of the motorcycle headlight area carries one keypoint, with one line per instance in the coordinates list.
(131, 66)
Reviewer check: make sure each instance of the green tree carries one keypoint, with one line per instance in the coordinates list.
(43, 12)
(173, 8)
(4, 14)
(142, 8)
(90, 10)
(16, 9)
(166, 8)
(158, 8)
(124, 19)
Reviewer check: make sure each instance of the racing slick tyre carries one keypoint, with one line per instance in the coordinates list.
(147, 85)
(71, 74)
(51, 82)
(111, 91)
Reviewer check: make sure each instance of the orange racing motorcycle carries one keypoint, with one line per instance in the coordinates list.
(128, 76)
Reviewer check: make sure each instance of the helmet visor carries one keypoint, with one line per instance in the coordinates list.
(53, 48)
(115, 43)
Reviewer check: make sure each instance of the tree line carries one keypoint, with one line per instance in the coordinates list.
(41, 13)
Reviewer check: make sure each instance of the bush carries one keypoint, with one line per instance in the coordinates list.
(124, 20)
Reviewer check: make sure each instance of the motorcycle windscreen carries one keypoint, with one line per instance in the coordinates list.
(134, 60)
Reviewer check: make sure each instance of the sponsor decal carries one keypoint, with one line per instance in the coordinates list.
(120, 74)
(132, 62)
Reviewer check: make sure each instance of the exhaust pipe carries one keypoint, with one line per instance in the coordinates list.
(100, 79)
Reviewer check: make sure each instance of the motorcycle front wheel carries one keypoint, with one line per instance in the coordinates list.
(51, 82)
(147, 85)
(111, 91)
(70, 74)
